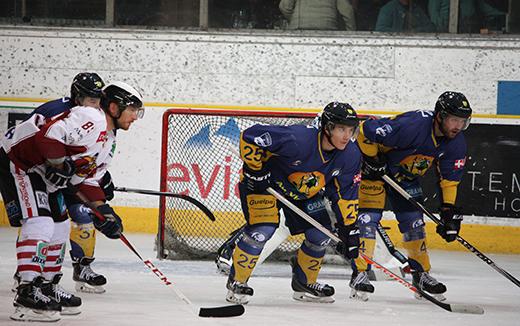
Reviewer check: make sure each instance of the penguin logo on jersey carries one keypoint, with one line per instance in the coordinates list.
(416, 164)
(308, 183)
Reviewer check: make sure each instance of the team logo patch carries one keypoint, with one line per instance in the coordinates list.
(384, 130)
(12, 209)
(335, 173)
(364, 218)
(459, 164)
(258, 236)
(296, 163)
(417, 223)
(264, 140)
(42, 200)
(308, 183)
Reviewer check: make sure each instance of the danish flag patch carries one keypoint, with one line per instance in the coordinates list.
(459, 164)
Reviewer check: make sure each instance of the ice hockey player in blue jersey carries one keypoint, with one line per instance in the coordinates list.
(85, 91)
(298, 161)
(405, 147)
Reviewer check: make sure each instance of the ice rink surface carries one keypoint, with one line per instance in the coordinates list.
(137, 297)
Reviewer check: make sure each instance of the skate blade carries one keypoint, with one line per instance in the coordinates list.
(86, 288)
(26, 314)
(307, 297)
(70, 311)
(358, 295)
(237, 298)
(438, 296)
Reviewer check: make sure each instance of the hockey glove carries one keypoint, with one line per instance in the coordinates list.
(60, 177)
(112, 226)
(373, 168)
(451, 217)
(256, 181)
(108, 186)
(349, 245)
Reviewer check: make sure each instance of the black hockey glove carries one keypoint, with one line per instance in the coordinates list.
(112, 226)
(60, 177)
(451, 217)
(108, 186)
(256, 181)
(349, 245)
(373, 168)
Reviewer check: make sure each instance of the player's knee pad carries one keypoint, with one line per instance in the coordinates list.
(80, 214)
(82, 240)
(315, 241)
(367, 223)
(409, 221)
(248, 249)
(255, 237)
(37, 228)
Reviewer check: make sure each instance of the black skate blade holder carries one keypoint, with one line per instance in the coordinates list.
(224, 311)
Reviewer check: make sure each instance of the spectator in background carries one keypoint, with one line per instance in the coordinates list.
(403, 16)
(473, 14)
(318, 14)
(366, 13)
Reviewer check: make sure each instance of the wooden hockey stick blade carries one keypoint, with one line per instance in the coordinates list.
(192, 200)
(224, 311)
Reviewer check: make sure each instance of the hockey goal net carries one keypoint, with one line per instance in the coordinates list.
(199, 160)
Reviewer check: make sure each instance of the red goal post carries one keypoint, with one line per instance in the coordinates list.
(197, 160)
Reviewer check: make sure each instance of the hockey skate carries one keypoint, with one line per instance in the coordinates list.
(315, 292)
(16, 282)
(86, 279)
(69, 303)
(32, 305)
(426, 282)
(360, 285)
(238, 293)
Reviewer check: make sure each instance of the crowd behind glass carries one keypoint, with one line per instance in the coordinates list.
(406, 16)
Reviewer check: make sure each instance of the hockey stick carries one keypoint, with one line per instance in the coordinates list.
(459, 308)
(390, 245)
(192, 200)
(225, 311)
(466, 244)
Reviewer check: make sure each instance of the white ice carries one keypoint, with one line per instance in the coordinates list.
(137, 297)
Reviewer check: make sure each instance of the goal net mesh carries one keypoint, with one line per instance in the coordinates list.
(199, 160)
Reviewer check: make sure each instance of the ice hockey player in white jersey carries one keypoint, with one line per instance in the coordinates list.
(40, 158)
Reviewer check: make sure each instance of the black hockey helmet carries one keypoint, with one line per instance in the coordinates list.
(338, 113)
(86, 84)
(453, 103)
(124, 96)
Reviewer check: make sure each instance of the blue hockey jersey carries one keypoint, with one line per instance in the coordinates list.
(55, 107)
(300, 168)
(410, 147)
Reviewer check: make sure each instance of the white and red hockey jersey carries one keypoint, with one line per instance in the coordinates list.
(80, 134)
